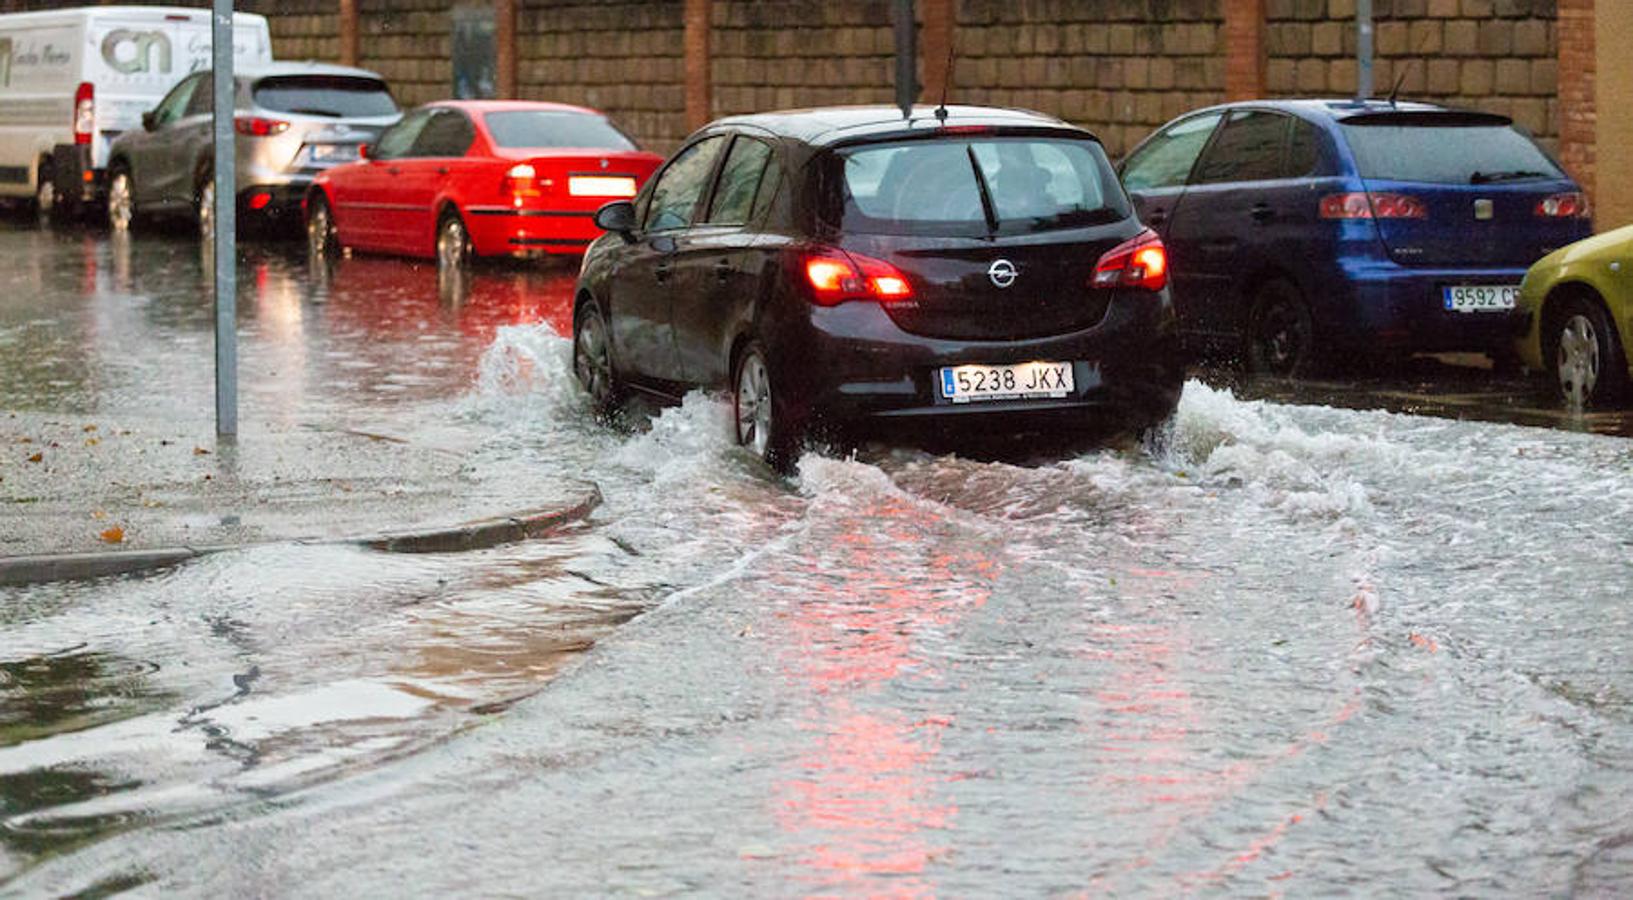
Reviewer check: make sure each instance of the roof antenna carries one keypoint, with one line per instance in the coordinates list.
(1396, 90)
(946, 79)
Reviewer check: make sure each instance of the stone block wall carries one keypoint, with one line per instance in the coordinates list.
(1120, 69)
(1496, 55)
(410, 43)
(623, 57)
(780, 54)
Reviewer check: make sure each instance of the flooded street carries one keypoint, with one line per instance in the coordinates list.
(1290, 648)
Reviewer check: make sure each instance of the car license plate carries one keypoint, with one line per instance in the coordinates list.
(963, 384)
(334, 153)
(1479, 297)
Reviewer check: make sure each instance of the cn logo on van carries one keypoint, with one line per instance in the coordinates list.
(135, 52)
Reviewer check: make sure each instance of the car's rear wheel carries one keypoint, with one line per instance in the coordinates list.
(453, 242)
(1281, 333)
(1586, 355)
(760, 420)
(204, 206)
(45, 190)
(121, 200)
(322, 241)
(592, 360)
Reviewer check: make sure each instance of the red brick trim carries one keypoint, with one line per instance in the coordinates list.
(1578, 117)
(698, 28)
(937, 21)
(504, 41)
(349, 53)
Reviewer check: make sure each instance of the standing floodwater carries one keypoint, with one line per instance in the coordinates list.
(1288, 650)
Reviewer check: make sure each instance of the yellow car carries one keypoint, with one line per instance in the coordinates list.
(1580, 304)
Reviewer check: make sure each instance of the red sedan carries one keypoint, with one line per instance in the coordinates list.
(458, 179)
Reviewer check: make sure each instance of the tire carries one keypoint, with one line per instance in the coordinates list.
(121, 200)
(1585, 355)
(453, 242)
(592, 361)
(45, 192)
(1280, 332)
(761, 423)
(204, 206)
(322, 242)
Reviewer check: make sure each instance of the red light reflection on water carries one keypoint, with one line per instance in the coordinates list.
(393, 297)
(862, 800)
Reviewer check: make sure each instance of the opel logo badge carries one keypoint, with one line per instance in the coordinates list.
(1002, 272)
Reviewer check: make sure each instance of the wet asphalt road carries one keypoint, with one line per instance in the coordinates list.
(1301, 647)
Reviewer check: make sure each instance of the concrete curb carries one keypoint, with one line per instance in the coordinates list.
(476, 535)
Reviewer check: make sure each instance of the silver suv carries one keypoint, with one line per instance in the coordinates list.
(293, 121)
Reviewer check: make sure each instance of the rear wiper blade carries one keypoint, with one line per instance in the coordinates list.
(1514, 175)
(307, 111)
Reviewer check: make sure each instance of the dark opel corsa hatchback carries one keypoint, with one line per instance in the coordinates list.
(846, 268)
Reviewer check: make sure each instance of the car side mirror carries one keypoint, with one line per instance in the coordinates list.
(149, 121)
(617, 217)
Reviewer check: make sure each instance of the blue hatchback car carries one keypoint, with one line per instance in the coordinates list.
(1304, 232)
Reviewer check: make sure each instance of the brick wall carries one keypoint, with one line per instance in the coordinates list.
(301, 29)
(1497, 55)
(778, 54)
(623, 57)
(1578, 89)
(1119, 69)
(409, 42)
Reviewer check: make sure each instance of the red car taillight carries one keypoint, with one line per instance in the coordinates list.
(1571, 205)
(84, 112)
(1367, 205)
(520, 181)
(1140, 262)
(836, 276)
(255, 126)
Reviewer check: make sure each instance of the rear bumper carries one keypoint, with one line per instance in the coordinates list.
(851, 365)
(504, 231)
(1385, 306)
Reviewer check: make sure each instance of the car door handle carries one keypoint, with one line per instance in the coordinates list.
(661, 273)
(442, 170)
(722, 270)
(1262, 212)
(391, 170)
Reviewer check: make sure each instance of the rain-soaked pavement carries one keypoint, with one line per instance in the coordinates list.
(1295, 649)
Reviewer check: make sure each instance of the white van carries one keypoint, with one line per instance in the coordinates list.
(72, 79)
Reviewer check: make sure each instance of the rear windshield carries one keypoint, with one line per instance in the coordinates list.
(542, 128)
(338, 96)
(1447, 154)
(966, 187)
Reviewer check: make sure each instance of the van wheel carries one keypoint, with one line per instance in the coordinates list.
(45, 190)
(759, 416)
(1585, 355)
(453, 242)
(592, 360)
(121, 200)
(1281, 334)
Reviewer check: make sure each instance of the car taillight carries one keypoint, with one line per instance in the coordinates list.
(255, 126)
(84, 112)
(1367, 205)
(836, 276)
(1571, 205)
(521, 181)
(1139, 262)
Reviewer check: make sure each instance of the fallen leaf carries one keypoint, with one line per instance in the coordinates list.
(99, 514)
(114, 535)
(36, 457)
(1426, 643)
(200, 451)
(25, 440)
(89, 428)
(91, 442)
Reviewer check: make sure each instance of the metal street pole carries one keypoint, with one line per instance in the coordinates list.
(907, 85)
(225, 243)
(1363, 49)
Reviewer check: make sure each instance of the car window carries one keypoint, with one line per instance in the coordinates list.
(399, 138)
(771, 207)
(1249, 149)
(739, 182)
(203, 99)
(1303, 150)
(1166, 160)
(680, 186)
(174, 105)
(448, 133)
(337, 96)
(1418, 152)
(935, 187)
(550, 128)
